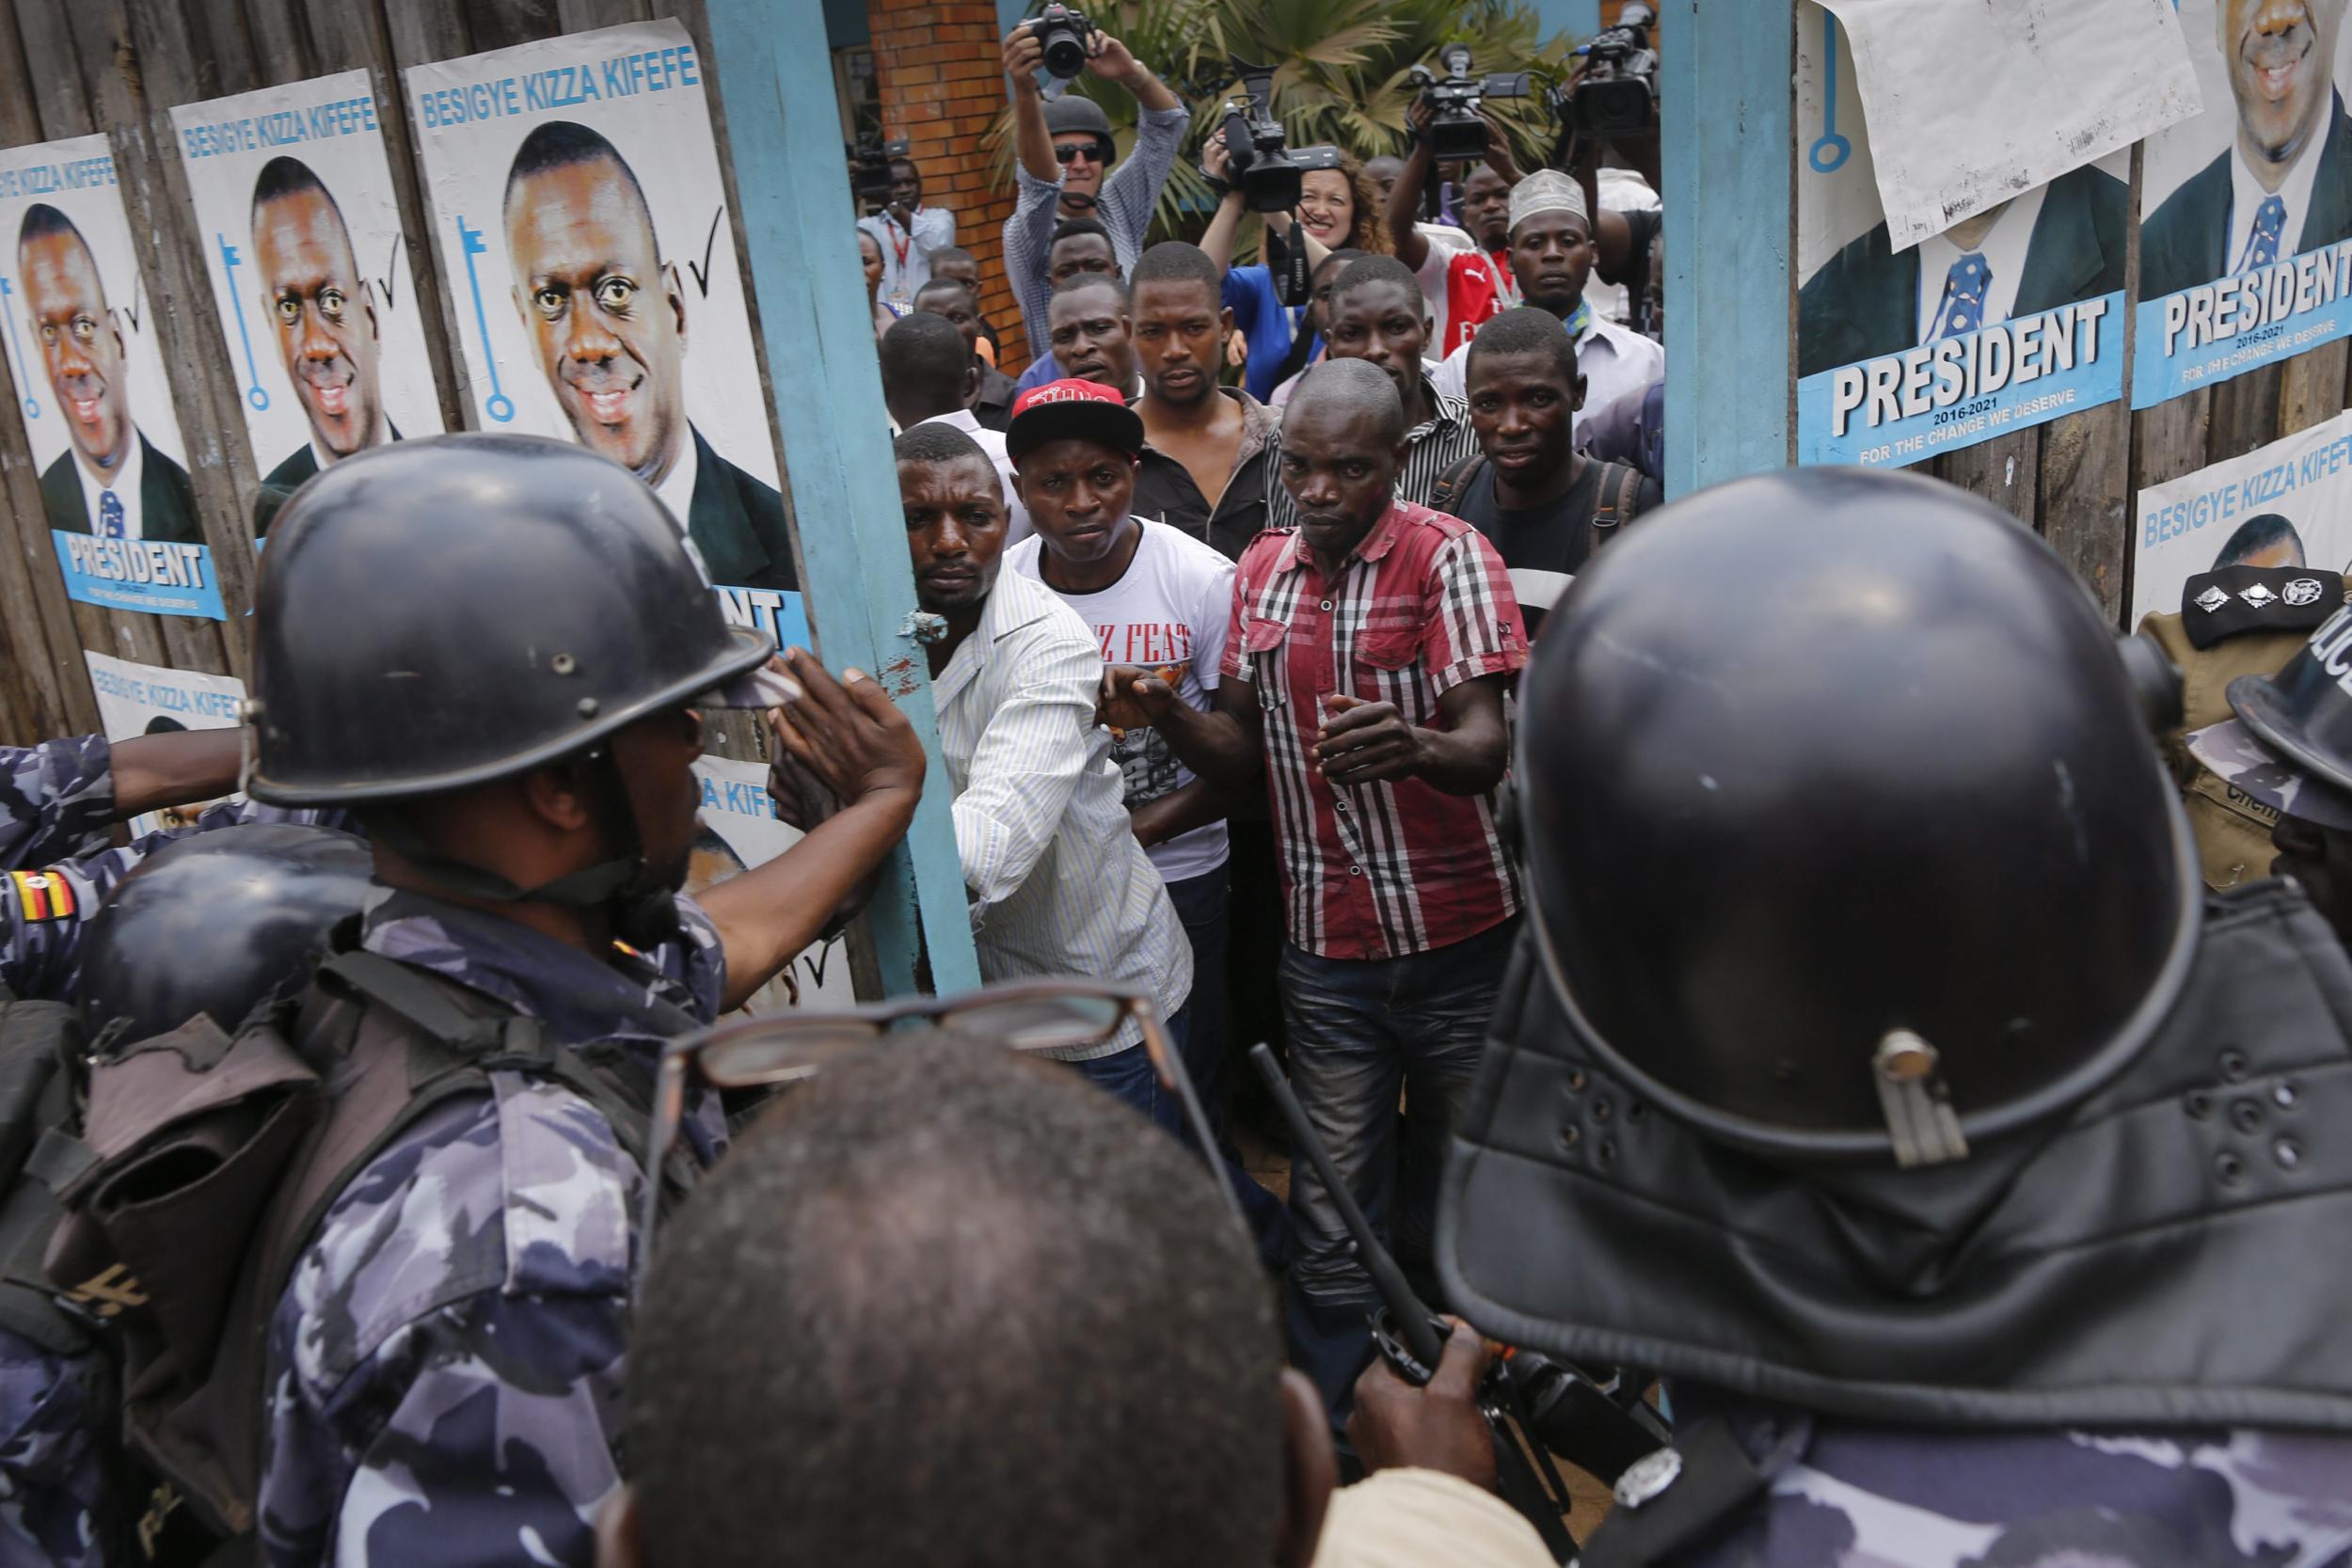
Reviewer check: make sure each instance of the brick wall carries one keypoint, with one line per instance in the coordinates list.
(936, 72)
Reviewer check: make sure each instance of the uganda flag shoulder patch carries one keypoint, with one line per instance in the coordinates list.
(43, 895)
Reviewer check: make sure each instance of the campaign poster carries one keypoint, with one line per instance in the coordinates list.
(146, 698)
(80, 336)
(301, 233)
(2007, 318)
(2286, 504)
(2246, 212)
(739, 831)
(582, 224)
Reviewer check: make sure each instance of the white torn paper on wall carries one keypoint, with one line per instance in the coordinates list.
(1970, 102)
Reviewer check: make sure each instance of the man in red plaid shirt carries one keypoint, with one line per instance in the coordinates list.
(1363, 676)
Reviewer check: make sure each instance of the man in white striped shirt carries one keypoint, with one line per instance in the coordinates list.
(1058, 885)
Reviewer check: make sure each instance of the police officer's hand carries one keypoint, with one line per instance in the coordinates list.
(1364, 742)
(848, 732)
(801, 799)
(1437, 1427)
(1023, 57)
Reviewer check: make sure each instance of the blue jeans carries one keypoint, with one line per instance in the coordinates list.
(1360, 1031)
(1127, 1076)
(1200, 905)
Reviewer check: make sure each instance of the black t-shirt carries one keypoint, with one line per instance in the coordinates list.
(1542, 543)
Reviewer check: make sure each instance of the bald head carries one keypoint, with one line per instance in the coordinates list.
(1351, 389)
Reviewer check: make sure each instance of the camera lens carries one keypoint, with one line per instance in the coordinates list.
(1065, 53)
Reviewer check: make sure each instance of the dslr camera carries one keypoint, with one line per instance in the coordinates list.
(1618, 93)
(1456, 133)
(870, 168)
(1258, 158)
(1067, 37)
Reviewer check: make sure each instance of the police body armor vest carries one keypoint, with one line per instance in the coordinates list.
(210, 1162)
(2156, 1260)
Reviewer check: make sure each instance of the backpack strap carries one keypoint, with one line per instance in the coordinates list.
(1455, 483)
(1620, 500)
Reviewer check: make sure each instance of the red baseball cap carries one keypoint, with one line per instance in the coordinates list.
(1059, 410)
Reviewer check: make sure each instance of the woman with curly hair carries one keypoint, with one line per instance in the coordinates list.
(1337, 209)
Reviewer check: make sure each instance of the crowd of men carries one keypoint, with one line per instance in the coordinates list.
(1777, 988)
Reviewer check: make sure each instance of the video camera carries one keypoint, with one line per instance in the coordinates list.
(1067, 37)
(1456, 133)
(1617, 95)
(869, 168)
(1258, 158)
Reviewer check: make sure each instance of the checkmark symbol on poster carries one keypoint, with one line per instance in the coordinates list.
(710, 242)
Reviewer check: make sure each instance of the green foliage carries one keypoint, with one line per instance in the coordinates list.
(1339, 74)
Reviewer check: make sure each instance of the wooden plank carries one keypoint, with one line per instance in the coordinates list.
(119, 72)
(582, 16)
(2168, 441)
(416, 34)
(2245, 414)
(281, 43)
(792, 189)
(2311, 386)
(2082, 503)
(500, 24)
(2004, 470)
(50, 685)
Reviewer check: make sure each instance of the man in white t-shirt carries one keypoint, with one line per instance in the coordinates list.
(1159, 601)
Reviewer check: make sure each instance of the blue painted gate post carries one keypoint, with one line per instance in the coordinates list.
(1728, 98)
(776, 80)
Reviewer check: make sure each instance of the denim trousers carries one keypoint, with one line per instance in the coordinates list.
(1360, 1032)
(1201, 903)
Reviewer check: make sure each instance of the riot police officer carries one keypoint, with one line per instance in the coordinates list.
(494, 650)
(208, 922)
(1878, 1070)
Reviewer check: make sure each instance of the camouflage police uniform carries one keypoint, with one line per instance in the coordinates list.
(1849, 1496)
(60, 795)
(57, 800)
(445, 1368)
(2238, 621)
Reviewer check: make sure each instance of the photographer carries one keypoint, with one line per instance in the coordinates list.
(908, 232)
(1337, 211)
(1064, 150)
(1464, 289)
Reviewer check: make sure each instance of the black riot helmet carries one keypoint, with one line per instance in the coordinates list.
(438, 613)
(212, 922)
(446, 613)
(1844, 827)
(2304, 712)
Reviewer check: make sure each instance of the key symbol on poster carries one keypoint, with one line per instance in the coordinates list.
(23, 370)
(1830, 151)
(254, 392)
(497, 404)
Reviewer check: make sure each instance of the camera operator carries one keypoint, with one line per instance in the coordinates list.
(1622, 239)
(1463, 288)
(908, 232)
(1063, 151)
(1338, 210)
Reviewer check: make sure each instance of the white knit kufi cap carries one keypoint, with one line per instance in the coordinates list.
(1546, 190)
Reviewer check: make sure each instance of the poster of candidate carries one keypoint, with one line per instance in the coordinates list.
(581, 223)
(739, 831)
(2245, 210)
(301, 233)
(80, 336)
(146, 698)
(2004, 320)
(2286, 504)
